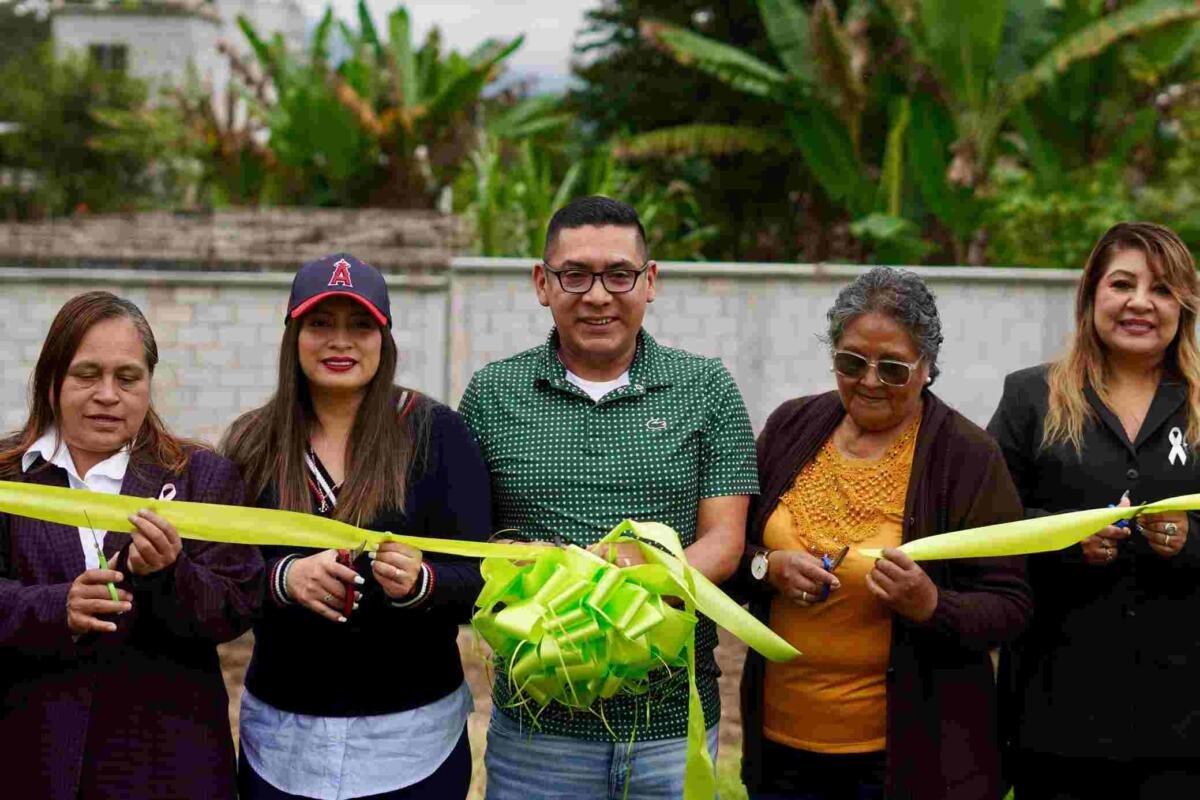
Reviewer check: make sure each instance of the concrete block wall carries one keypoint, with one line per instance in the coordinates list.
(764, 321)
(218, 335)
(218, 331)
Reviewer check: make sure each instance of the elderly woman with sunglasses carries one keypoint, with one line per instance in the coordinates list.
(894, 695)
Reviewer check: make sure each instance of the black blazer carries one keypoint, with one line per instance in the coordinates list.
(1107, 668)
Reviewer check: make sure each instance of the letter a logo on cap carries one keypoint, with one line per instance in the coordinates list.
(341, 274)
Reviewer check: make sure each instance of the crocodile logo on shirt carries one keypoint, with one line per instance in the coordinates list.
(656, 424)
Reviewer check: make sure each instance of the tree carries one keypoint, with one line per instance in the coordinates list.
(627, 87)
(970, 68)
(23, 28)
(387, 126)
(49, 157)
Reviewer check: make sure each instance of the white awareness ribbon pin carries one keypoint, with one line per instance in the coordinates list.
(168, 492)
(1176, 438)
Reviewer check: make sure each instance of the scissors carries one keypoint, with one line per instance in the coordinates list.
(347, 558)
(100, 557)
(830, 564)
(1121, 523)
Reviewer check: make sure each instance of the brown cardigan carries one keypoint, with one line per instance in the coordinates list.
(942, 738)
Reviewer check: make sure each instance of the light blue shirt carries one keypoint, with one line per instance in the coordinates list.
(332, 758)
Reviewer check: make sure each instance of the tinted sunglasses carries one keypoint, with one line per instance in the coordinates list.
(889, 371)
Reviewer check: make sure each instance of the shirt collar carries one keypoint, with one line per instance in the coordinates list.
(645, 372)
(53, 451)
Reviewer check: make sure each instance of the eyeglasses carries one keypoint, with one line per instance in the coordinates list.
(889, 371)
(581, 281)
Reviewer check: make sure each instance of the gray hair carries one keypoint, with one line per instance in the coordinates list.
(896, 293)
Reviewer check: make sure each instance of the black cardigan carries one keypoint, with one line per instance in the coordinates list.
(385, 659)
(1107, 668)
(942, 729)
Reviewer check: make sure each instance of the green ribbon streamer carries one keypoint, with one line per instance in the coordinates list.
(1036, 535)
(571, 627)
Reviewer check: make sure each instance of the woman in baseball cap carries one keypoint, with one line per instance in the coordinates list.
(355, 687)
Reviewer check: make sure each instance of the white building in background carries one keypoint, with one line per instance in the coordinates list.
(157, 39)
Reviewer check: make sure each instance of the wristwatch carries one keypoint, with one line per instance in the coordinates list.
(758, 565)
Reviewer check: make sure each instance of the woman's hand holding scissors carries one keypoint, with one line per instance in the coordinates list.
(1100, 549)
(319, 583)
(88, 600)
(801, 577)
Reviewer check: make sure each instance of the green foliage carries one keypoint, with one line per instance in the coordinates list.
(514, 184)
(388, 126)
(983, 64)
(1173, 197)
(204, 158)
(22, 34)
(627, 86)
(1032, 226)
(49, 168)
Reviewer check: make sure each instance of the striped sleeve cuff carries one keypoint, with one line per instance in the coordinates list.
(278, 581)
(421, 591)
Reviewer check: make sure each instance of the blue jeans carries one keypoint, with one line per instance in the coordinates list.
(522, 765)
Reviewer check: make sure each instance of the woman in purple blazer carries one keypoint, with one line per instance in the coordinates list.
(103, 697)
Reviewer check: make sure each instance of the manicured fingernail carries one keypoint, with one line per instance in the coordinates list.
(358, 579)
(371, 555)
(341, 619)
(357, 596)
(120, 577)
(355, 607)
(837, 584)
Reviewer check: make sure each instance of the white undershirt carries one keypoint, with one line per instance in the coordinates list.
(106, 477)
(597, 389)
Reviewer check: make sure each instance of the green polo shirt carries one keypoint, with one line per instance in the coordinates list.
(563, 465)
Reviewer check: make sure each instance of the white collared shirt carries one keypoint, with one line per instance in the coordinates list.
(106, 477)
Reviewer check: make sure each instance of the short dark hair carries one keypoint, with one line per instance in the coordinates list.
(596, 210)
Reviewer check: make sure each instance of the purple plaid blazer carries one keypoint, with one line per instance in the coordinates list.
(141, 712)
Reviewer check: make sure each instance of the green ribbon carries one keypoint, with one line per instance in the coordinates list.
(572, 628)
(1036, 535)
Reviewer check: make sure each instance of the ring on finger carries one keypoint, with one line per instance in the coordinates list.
(1170, 529)
(328, 598)
(804, 595)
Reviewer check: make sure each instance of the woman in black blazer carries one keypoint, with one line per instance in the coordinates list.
(1107, 704)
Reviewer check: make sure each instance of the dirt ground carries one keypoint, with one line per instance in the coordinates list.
(730, 654)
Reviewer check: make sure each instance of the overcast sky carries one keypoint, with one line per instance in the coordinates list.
(549, 27)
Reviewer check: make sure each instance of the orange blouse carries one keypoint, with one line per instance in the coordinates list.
(833, 699)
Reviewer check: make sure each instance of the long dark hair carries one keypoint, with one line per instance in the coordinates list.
(153, 441)
(269, 443)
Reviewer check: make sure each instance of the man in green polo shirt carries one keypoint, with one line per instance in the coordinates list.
(598, 424)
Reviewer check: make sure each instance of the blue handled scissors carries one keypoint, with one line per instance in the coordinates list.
(830, 564)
